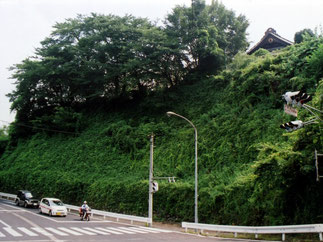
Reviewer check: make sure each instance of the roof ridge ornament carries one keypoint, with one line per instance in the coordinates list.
(270, 30)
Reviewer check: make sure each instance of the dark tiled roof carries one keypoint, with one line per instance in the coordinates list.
(271, 41)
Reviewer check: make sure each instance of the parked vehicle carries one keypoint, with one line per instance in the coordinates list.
(52, 207)
(26, 199)
(86, 215)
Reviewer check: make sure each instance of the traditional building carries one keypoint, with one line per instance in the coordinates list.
(271, 41)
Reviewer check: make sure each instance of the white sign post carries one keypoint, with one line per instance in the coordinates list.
(290, 110)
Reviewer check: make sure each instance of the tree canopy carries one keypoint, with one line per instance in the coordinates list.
(299, 36)
(208, 36)
(91, 60)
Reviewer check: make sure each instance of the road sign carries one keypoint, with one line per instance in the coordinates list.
(290, 110)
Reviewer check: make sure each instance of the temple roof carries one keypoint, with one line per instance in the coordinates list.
(271, 41)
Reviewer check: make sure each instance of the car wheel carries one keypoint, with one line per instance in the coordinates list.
(40, 211)
(50, 214)
(17, 202)
(25, 205)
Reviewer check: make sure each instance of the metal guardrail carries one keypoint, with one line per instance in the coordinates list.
(7, 196)
(288, 229)
(117, 216)
(104, 214)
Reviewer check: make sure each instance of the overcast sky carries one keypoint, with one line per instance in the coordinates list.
(24, 23)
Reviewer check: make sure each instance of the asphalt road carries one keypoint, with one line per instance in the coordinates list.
(26, 224)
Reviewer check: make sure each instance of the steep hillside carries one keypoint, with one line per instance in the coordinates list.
(251, 172)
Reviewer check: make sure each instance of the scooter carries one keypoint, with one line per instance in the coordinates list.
(86, 215)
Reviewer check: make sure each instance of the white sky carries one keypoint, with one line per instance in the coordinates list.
(24, 23)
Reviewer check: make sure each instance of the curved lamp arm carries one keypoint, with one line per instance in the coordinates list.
(196, 172)
(175, 114)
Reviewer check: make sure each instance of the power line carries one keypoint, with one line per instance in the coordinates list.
(38, 128)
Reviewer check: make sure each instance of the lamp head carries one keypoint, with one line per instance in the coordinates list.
(170, 113)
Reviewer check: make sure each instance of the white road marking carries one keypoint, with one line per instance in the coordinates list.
(134, 230)
(50, 236)
(42, 231)
(55, 231)
(146, 230)
(155, 229)
(96, 231)
(120, 230)
(11, 211)
(11, 231)
(69, 231)
(5, 224)
(108, 230)
(27, 231)
(83, 231)
(64, 231)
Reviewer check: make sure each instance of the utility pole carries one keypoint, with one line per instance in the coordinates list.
(151, 179)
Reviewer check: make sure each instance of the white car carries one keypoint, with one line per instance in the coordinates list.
(52, 207)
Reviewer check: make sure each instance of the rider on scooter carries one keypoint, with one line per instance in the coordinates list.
(84, 208)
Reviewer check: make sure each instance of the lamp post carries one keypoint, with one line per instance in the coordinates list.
(196, 173)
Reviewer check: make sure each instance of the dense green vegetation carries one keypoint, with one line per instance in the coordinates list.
(250, 171)
(3, 139)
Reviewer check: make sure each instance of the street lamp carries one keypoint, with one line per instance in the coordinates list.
(196, 174)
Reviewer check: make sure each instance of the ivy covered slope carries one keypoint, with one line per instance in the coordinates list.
(251, 172)
(87, 102)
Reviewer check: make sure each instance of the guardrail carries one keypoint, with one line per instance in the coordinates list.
(117, 216)
(288, 229)
(7, 196)
(104, 214)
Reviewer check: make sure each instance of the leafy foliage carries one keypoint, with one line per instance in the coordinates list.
(299, 36)
(4, 139)
(208, 36)
(96, 60)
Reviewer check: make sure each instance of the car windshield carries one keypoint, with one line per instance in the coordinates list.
(57, 203)
(28, 195)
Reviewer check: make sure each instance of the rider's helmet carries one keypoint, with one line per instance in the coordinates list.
(85, 202)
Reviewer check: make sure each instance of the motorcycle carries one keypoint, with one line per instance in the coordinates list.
(86, 215)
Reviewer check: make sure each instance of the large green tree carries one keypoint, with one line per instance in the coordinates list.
(299, 36)
(88, 61)
(208, 36)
